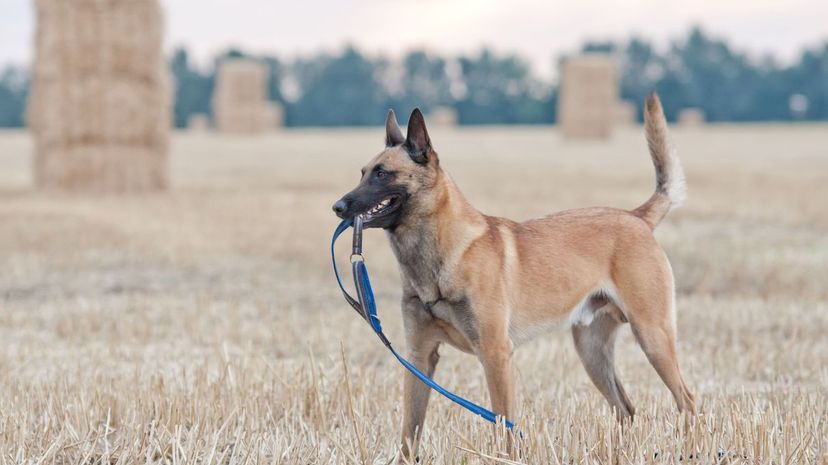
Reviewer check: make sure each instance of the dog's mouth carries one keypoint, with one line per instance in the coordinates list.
(381, 209)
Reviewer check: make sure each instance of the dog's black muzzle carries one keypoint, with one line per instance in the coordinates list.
(340, 207)
(379, 208)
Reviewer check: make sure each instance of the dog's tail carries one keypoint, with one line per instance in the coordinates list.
(671, 188)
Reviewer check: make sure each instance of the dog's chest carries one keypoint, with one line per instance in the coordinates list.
(423, 270)
(451, 312)
(421, 266)
(457, 321)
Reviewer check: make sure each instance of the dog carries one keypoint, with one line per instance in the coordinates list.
(485, 284)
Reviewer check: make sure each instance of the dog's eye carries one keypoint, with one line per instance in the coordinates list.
(381, 174)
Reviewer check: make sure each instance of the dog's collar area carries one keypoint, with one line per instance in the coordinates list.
(365, 306)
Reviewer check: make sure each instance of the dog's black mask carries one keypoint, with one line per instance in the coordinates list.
(377, 198)
(382, 196)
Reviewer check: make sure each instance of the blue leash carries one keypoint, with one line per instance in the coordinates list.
(366, 307)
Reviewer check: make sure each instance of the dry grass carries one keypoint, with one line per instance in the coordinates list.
(203, 325)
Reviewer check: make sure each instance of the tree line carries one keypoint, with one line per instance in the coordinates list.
(353, 89)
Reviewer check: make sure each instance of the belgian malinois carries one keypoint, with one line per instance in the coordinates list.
(485, 284)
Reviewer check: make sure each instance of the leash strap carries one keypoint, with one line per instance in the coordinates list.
(366, 307)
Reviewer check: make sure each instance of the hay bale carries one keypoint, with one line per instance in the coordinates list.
(99, 109)
(198, 122)
(691, 117)
(274, 115)
(240, 103)
(443, 117)
(625, 114)
(588, 95)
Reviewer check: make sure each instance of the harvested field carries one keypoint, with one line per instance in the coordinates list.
(202, 325)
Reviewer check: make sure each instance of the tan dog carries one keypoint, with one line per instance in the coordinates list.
(485, 284)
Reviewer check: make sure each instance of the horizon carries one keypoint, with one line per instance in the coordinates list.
(758, 29)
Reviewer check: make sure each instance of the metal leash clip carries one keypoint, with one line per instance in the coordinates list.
(356, 250)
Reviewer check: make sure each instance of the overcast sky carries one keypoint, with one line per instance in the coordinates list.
(538, 30)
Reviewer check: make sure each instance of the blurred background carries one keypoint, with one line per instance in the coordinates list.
(343, 64)
(167, 170)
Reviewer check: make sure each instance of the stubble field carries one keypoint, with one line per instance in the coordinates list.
(203, 325)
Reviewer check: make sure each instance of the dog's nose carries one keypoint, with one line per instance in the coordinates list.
(340, 206)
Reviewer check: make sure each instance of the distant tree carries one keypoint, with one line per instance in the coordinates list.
(351, 89)
(598, 47)
(500, 90)
(339, 91)
(809, 78)
(771, 101)
(704, 72)
(423, 82)
(14, 88)
(193, 90)
(640, 69)
(232, 53)
(275, 73)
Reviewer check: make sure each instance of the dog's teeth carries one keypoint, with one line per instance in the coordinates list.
(380, 206)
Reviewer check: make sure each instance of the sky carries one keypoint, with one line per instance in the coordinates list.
(537, 30)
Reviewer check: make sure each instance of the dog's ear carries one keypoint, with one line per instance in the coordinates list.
(393, 134)
(417, 143)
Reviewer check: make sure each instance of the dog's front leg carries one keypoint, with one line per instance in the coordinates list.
(423, 343)
(495, 354)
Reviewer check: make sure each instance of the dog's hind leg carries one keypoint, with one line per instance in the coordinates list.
(595, 344)
(659, 344)
(651, 312)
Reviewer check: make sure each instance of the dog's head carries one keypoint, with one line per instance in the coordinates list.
(398, 183)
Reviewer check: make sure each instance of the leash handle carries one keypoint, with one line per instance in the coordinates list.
(356, 249)
(351, 301)
(367, 309)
